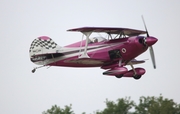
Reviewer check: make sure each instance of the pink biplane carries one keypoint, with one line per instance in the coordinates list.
(113, 53)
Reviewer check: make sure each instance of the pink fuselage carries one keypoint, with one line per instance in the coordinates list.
(103, 53)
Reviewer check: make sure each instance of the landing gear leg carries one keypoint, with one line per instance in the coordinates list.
(133, 68)
(135, 76)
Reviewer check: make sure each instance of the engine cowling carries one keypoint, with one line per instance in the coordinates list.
(116, 71)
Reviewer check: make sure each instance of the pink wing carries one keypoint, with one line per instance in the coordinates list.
(109, 30)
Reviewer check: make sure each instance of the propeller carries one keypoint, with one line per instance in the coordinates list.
(150, 47)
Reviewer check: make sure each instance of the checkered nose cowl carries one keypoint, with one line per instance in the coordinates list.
(44, 43)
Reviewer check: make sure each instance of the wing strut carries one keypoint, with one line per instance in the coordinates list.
(85, 55)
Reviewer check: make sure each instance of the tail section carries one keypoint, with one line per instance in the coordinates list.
(43, 48)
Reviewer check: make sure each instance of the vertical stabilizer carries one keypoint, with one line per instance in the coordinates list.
(43, 48)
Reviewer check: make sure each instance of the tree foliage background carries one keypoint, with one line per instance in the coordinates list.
(146, 105)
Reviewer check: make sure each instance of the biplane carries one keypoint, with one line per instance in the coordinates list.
(112, 53)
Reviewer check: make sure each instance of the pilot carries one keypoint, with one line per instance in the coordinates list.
(95, 40)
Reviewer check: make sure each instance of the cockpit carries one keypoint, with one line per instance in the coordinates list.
(97, 39)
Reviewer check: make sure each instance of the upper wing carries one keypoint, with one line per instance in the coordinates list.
(110, 30)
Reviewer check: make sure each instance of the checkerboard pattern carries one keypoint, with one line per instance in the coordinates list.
(48, 44)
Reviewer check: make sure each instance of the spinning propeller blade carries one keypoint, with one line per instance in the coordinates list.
(152, 56)
(145, 26)
(150, 47)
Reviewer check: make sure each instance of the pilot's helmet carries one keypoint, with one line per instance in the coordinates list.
(95, 40)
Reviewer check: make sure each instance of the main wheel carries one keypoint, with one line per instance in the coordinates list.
(119, 76)
(137, 77)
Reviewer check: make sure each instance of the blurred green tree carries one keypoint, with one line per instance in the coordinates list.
(122, 106)
(57, 110)
(146, 105)
(157, 105)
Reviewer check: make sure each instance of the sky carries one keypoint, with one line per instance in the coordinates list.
(21, 21)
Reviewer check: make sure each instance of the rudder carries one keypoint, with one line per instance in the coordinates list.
(41, 48)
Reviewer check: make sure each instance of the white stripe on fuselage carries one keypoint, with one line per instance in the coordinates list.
(90, 49)
(77, 51)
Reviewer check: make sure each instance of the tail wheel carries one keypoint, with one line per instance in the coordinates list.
(119, 76)
(137, 77)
